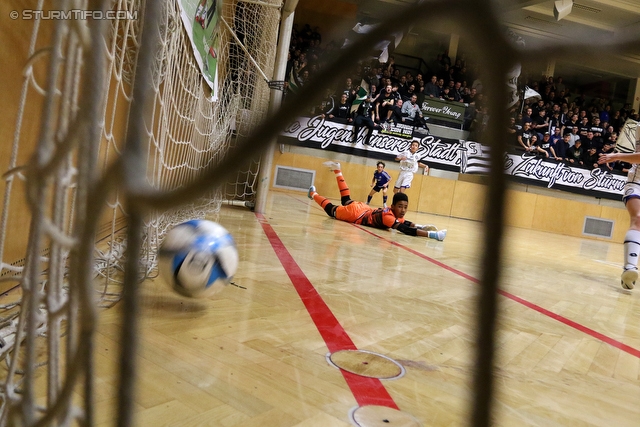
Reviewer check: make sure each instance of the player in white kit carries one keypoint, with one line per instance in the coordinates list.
(409, 164)
(631, 199)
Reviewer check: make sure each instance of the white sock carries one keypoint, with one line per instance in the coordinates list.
(631, 248)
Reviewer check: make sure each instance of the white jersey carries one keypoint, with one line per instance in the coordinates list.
(410, 164)
(634, 174)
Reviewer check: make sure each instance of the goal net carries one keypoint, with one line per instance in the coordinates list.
(73, 98)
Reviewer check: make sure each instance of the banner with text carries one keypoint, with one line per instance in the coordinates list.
(316, 132)
(443, 110)
(536, 170)
(454, 155)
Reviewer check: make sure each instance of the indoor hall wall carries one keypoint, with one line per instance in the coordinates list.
(14, 48)
(16, 35)
(461, 199)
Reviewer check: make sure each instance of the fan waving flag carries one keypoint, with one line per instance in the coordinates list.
(626, 142)
(294, 84)
(363, 93)
(530, 93)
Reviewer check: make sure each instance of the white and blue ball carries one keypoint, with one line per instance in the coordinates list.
(198, 258)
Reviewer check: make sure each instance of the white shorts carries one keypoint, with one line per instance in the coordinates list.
(631, 190)
(404, 179)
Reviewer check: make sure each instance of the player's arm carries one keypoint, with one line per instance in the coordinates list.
(410, 229)
(625, 157)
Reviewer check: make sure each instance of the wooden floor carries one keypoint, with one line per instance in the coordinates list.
(255, 355)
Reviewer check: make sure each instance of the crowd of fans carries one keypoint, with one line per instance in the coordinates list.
(564, 127)
(560, 124)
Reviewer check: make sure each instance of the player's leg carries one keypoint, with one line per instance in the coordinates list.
(384, 196)
(324, 203)
(345, 193)
(631, 244)
(371, 194)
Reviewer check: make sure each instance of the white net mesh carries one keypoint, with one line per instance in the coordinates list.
(58, 169)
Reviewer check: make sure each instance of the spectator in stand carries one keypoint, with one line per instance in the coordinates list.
(605, 115)
(365, 116)
(574, 136)
(561, 148)
(512, 130)
(457, 92)
(373, 93)
(597, 129)
(348, 88)
(419, 82)
(535, 147)
(303, 78)
(545, 147)
(412, 113)
(580, 100)
(608, 148)
(575, 154)
(540, 123)
(555, 122)
(556, 136)
(584, 126)
(572, 123)
(560, 98)
(440, 87)
(385, 101)
(536, 108)
(589, 142)
(616, 121)
(445, 94)
(431, 89)
(591, 158)
(402, 84)
(527, 117)
(471, 96)
(342, 111)
(394, 114)
(523, 137)
(411, 90)
(326, 106)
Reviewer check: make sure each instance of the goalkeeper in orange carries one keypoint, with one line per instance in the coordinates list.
(360, 213)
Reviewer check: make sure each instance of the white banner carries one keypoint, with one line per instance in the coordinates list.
(316, 132)
(454, 155)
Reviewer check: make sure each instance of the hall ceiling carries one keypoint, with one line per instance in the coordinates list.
(597, 21)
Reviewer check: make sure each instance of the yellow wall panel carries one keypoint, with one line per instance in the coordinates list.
(436, 195)
(562, 216)
(519, 208)
(468, 200)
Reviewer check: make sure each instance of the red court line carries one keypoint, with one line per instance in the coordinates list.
(367, 391)
(575, 325)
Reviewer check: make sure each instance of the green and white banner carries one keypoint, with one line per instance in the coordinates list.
(443, 110)
(200, 19)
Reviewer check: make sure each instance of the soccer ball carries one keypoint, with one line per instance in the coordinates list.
(198, 258)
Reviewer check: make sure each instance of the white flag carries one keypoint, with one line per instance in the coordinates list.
(530, 93)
